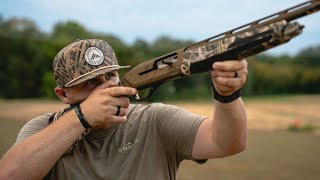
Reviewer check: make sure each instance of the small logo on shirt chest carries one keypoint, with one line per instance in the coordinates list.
(128, 146)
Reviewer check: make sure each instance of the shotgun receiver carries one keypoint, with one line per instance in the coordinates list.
(238, 43)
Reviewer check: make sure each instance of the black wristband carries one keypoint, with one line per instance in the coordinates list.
(226, 99)
(83, 121)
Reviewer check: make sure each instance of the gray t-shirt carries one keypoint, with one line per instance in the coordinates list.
(149, 145)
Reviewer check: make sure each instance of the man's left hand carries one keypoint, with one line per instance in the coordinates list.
(229, 76)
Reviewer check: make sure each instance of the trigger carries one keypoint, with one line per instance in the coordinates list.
(150, 93)
(137, 97)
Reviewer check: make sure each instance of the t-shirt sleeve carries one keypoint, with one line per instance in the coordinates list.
(177, 129)
(32, 127)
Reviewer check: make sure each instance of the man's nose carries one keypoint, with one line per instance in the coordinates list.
(110, 82)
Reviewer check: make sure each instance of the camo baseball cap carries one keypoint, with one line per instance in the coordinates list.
(83, 60)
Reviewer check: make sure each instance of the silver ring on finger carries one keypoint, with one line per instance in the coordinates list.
(118, 111)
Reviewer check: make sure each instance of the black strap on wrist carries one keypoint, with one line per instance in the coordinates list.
(83, 121)
(226, 99)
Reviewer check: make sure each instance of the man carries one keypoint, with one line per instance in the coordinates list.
(103, 136)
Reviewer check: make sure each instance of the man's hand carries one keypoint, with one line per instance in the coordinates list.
(229, 76)
(101, 106)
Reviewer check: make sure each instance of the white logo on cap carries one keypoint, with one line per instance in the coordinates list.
(94, 56)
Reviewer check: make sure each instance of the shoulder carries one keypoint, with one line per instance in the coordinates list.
(150, 108)
(33, 126)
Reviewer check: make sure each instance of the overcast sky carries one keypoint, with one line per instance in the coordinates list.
(146, 19)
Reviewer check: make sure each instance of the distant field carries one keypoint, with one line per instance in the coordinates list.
(272, 112)
(268, 156)
(272, 152)
(264, 113)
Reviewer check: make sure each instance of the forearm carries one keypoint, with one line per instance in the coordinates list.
(226, 133)
(35, 156)
(230, 127)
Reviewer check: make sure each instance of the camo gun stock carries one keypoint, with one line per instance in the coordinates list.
(238, 43)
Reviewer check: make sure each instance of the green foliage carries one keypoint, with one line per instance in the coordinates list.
(26, 56)
(303, 128)
(20, 28)
(309, 57)
(66, 32)
(48, 84)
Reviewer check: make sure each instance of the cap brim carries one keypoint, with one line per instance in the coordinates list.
(93, 74)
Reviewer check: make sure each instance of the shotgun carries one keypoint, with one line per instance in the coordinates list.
(238, 43)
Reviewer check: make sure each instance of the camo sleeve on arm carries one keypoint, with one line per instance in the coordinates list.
(32, 127)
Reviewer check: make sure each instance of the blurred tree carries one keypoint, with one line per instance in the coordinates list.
(166, 44)
(48, 85)
(309, 57)
(140, 51)
(66, 32)
(20, 28)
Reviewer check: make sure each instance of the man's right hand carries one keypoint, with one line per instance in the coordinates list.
(101, 106)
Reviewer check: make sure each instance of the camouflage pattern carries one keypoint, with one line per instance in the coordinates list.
(269, 36)
(210, 49)
(73, 65)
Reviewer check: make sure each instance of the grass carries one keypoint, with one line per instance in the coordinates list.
(9, 130)
(269, 155)
(283, 98)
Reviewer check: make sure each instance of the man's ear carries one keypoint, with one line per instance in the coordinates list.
(62, 95)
